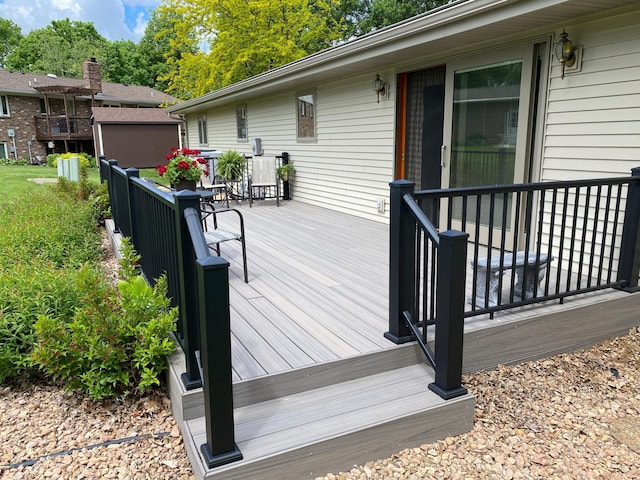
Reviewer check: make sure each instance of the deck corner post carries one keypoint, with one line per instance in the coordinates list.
(452, 257)
(629, 269)
(215, 361)
(401, 262)
(187, 286)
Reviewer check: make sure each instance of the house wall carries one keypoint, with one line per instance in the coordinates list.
(349, 165)
(593, 120)
(22, 110)
(593, 116)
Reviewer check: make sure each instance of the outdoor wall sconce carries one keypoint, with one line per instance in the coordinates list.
(565, 52)
(380, 87)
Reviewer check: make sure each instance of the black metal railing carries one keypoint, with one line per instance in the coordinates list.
(414, 243)
(166, 231)
(528, 243)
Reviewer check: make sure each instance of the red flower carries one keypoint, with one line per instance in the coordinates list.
(161, 169)
(183, 165)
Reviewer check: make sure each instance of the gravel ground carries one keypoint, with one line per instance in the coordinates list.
(567, 417)
(572, 416)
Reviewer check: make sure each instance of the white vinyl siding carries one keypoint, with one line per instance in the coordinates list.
(349, 165)
(593, 116)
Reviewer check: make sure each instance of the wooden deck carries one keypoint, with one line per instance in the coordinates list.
(317, 388)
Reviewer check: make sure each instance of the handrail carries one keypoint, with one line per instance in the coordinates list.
(166, 231)
(421, 218)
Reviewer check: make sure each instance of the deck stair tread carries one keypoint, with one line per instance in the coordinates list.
(336, 423)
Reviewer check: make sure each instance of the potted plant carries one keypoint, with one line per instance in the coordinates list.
(183, 169)
(285, 171)
(231, 164)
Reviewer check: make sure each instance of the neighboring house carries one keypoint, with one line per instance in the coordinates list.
(136, 137)
(470, 93)
(42, 114)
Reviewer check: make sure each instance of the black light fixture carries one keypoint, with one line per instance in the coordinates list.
(379, 87)
(565, 52)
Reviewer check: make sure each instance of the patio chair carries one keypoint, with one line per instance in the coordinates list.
(218, 187)
(215, 236)
(263, 179)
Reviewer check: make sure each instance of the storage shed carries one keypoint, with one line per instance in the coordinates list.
(136, 137)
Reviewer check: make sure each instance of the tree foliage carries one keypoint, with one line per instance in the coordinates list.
(364, 16)
(59, 48)
(10, 37)
(245, 38)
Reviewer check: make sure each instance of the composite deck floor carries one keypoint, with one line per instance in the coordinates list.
(318, 288)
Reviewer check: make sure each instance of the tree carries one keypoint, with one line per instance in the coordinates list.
(245, 38)
(123, 63)
(59, 48)
(155, 48)
(364, 16)
(10, 36)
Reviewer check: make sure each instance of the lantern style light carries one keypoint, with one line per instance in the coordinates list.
(565, 52)
(379, 87)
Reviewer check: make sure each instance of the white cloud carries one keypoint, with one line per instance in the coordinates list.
(108, 16)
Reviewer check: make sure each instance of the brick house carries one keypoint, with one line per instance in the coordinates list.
(43, 114)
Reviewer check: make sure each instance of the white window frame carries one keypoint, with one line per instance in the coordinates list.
(242, 130)
(306, 103)
(4, 153)
(202, 129)
(4, 106)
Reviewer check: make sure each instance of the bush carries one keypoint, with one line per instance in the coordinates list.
(43, 241)
(14, 161)
(84, 159)
(116, 342)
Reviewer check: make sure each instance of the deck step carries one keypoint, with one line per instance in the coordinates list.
(308, 434)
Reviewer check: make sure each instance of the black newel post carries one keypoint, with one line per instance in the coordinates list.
(188, 302)
(630, 247)
(286, 193)
(215, 357)
(402, 263)
(452, 258)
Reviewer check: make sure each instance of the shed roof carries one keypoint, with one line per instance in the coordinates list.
(133, 115)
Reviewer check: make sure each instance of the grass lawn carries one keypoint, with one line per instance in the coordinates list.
(18, 180)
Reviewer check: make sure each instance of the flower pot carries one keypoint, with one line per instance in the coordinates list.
(185, 185)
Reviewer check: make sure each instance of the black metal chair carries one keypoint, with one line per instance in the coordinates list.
(215, 236)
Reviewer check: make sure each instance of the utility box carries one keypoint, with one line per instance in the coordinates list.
(69, 168)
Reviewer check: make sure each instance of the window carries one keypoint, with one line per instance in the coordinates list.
(305, 116)
(241, 121)
(3, 150)
(43, 106)
(4, 106)
(202, 129)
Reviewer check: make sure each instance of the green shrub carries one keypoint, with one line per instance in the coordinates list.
(44, 239)
(84, 159)
(28, 290)
(116, 342)
(14, 161)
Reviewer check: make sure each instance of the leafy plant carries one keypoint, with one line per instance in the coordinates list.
(285, 171)
(231, 164)
(116, 342)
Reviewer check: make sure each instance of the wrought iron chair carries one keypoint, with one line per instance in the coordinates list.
(263, 179)
(215, 236)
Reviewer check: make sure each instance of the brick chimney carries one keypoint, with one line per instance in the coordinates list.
(91, 75)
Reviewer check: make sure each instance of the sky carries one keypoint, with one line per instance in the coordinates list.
(113, 19)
